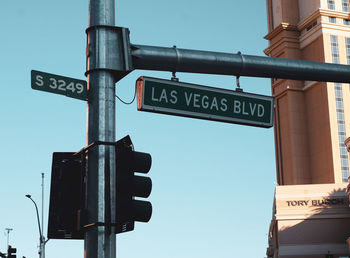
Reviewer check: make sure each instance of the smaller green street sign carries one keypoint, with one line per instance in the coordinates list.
(57, 84)
(190, 100)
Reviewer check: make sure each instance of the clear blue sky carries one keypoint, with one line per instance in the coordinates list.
(213, 183)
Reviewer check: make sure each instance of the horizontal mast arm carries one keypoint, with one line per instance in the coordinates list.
(196, 61)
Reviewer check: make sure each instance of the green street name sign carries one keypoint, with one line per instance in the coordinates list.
(190, 100)
(57, 84)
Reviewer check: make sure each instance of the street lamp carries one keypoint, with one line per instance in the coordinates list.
(42, 238)
(8, 234)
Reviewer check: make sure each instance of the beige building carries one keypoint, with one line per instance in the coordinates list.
(310, 221)
(312, 121)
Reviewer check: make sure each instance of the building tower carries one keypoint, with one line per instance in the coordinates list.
(311, 215)
(310, 117)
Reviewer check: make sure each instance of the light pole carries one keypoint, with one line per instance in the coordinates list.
(42, 238)
(42, 205)
(8, 235)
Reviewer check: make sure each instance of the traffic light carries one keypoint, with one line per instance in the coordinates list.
(11, 252)
(66, 196)
(129, 186)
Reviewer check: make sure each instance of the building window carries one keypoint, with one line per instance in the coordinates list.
(340, 116)
(311, 25)
(347, 46)
(331, 4)
(344, 163)
(341, 128)
(339, 104)
(345, 173)
(334, 49)
(342, 139)
(338, 94)
(344, 153)
(345, 5)
(346, 22)
(341, 123)
(332, 19)
(340, 107)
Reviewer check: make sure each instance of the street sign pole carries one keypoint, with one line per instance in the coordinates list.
(100, 238)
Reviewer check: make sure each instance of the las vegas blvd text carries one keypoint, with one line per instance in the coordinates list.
(196, 100)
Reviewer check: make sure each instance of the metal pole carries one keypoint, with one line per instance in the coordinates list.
(42, 242)
(42, 204)
(40, 235)
(8, 235)
(100, 240)
(197, 61)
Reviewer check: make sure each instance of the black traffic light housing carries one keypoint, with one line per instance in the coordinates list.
(67, 215)
(66, 196)
(129, 186)
(11, 252)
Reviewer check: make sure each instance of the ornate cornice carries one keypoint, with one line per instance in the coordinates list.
(283, 26)
(304, 23)
(322, 12)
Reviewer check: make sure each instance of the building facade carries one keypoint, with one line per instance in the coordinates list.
(314, 129)
(312, 119)
(310, 221)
